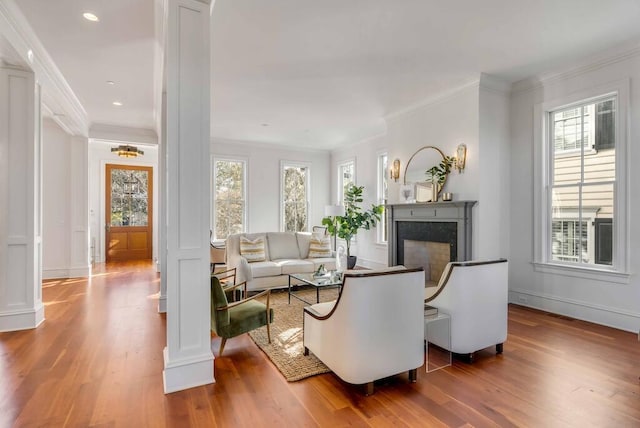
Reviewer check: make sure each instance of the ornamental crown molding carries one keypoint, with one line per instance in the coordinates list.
(590, 63)
(58, 98)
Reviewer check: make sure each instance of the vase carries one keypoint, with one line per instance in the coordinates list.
(434, 192)
(351, 262)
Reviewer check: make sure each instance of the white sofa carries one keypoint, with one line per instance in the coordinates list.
(475, 295)
(374, 329)
(286, 252)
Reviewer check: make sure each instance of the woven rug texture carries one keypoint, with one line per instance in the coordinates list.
(286, 350)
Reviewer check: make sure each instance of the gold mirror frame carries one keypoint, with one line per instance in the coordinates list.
(425, 184)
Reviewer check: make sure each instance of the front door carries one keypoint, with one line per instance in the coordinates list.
(128, 212)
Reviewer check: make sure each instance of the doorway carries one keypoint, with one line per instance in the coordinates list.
(128, 216)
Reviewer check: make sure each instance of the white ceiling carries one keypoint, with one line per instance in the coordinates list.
(321, 74)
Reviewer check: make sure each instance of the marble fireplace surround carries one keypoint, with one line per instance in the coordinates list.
(445, 222)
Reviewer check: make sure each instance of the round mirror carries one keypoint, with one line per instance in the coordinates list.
(416, 172)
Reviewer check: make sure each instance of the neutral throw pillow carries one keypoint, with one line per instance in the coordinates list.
(252, 250)
(319, 247)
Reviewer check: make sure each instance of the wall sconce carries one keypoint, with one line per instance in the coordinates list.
(395, 170)
(127, 151)
(461, 157)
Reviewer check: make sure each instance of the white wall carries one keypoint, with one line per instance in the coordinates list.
(476, 115)
(56, 175)
(263, 180)
(99, 155)
(600, 301)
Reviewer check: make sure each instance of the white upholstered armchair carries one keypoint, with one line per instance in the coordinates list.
(475, 295)
(374, 329)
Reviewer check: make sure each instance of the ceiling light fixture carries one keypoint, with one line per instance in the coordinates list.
(127, 151)
(110, 82)
(117, 103)
(90, 17)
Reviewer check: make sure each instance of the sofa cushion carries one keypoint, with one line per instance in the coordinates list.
(319, 246)
(295, 266)
(266, 268)
(253, 249)
(328, 262)
(304, 238)
(282, 245)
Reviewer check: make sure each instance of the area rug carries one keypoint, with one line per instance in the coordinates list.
(286, 349)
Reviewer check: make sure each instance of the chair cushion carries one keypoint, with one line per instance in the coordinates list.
(252, 249)
(267, 268)
(295, 266)
(246, 317)
(319, 246)
(283, 245)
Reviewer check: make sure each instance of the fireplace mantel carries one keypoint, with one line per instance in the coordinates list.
(459, 212)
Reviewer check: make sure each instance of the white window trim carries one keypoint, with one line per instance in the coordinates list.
(283, 164)
(619, 272)
(382, 173)
(212, 210)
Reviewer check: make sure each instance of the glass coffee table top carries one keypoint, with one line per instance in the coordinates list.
(329, 279)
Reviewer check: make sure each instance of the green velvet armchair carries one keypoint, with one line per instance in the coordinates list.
(233, 319)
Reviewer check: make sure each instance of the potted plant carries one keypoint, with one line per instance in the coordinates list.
(437, 175)
(354, 218)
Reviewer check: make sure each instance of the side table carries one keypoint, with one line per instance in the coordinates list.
(437, 336)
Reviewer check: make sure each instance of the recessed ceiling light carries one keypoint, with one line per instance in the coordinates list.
(117, 103)
(265, 124)
(110, 82)
(90, 17)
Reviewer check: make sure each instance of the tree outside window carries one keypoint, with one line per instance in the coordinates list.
(295, 198)
(229, 197)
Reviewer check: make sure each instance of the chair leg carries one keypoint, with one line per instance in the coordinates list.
(499, 348)
(306, 351)
(413, 375)
(222, 342)
(368, 388)
(269, 331)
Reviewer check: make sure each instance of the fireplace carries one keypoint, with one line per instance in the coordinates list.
(430, 235)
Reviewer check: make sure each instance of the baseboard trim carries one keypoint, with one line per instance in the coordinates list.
(73, 272)
(585, 311)
(22, 320)
(162, 304)
(187, 373)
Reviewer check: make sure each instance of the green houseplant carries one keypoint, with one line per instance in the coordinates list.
(354, 219)
(437, 175)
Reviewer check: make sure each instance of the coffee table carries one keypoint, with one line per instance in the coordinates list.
(328, 280)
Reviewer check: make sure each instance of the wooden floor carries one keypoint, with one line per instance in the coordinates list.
(97, 361)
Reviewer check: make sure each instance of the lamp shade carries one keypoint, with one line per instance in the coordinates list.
(333, 210)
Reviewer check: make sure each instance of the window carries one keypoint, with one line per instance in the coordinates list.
(229, 178)
(346, 176)
(581, 222)
(383, 174)
(583, 166)
(295, 197)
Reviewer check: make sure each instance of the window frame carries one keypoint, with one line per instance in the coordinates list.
(382, 181)
(245, 174)
(296, 164)
(340, 180)
(542, 203)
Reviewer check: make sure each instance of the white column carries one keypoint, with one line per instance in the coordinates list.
(79, 263)
(162, 209)
(20, 201)
(188, 360)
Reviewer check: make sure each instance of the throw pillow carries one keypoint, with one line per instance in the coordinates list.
(253, 251)
(319, 247)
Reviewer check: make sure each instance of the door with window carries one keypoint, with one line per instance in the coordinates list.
(128, 231)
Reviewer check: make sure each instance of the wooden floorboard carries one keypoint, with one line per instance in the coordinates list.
(96, 361)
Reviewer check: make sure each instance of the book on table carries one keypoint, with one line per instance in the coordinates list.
(430, 310)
